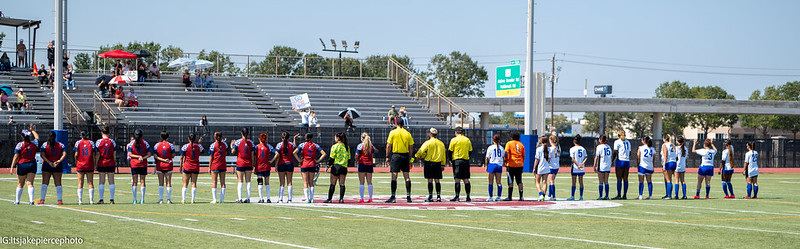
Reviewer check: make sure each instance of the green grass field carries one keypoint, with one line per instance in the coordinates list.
(772, 221)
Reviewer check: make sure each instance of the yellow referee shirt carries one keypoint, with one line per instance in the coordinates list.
(400, 139)
(432, 151)
(460, 146)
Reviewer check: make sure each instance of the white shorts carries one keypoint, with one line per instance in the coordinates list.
(543, 169)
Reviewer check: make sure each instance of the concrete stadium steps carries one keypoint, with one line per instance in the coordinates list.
(41, 100)
(328, 97)
(262, 100)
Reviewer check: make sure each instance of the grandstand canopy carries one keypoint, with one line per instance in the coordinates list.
(14, 22)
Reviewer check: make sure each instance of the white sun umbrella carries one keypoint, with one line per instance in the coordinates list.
(180, 62)
(200, 64)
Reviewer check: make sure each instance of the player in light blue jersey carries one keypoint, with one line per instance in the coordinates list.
(751, 170)
(669, 157)
(622, 163)
(578, 155)
(726, 170)
(680, 169)
(646, 153)
(602, 165)
(542, 165)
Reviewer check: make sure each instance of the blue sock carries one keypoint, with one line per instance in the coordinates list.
(573, 191)
(683, 185)
(755, 190)
(606, 188)
(649, 189)
(666, 187)
(730, 188)
(491, 190)
(698, 192)
(553, 190)
(499, 190)
(600, 189)
(581, 192)
(725, 188)
(708, 190)
(541, 193)
(619, 188)
(677, 189)
(625, 188)
(641, 188)
(749, 189)
(669, 188)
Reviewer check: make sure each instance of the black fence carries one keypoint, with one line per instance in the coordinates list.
(773, 153)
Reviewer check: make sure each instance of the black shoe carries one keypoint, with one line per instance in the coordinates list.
(521, 199)
(391, 200)
(269, 201)
(508, 199)
(438, 199)
(341, 201)
(430, 199)
(239, 201)
(246, 201)
(666, 197)
(624, 197)
(327, 201)
(616, 198)
(469, 199)
(408, 199)
(684, 198)
(455, 199)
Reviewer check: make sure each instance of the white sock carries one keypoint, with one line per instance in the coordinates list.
(30, 194)
(80, 195)
(248, 190)
(214, 194)
(239, 190)
(370, 191)
(183, 194)
(169, 193)
(280, 193)
(44, 191)
(111, 189)
(133, 190)
(142, 194)
(59, 192)
(91, 195)
(267, 190)
(260, 189)
(311, 193)
(290, 193)
(361, 191)
(19, 194)
(160, 193)
(194, 192)
(305, 193)
(102, 191)
(222, 196)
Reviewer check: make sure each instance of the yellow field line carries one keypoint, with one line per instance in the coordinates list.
(781, 202)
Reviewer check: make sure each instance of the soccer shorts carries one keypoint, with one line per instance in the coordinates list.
(25, 168)
(727, 171)
(671, 166)
(286, 167)
(554, 171)
(262, 173)
(399, 162)
(706, 170)
(139, 171)
(47, 168)
(493, 168)
(514, 173)
(622, 164)
(645, 171)
(164, 171)
(338, 170)
(106, 169)
(191, 172)
(219, 170)
(461, 169)
(365, 168)
(433, 170)
(244, 168)
(309, 169)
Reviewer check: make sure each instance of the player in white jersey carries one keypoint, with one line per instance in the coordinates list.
(555, 160)
(726, 170)
(680, 169)
(494, 166)
(751, 170)
(669, 158)
(602, 165)
(622, 164)
(706, 170)
(646, 153)
(542, 164)
(578, 155)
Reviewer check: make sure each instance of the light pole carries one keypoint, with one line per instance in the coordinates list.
(340, 51)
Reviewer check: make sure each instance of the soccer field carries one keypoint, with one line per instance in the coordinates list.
(772, 221)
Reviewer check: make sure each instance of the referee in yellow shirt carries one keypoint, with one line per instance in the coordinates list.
(432, 154)
(399, 148)
(459, 150)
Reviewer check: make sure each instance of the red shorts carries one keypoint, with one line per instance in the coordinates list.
(133, 103)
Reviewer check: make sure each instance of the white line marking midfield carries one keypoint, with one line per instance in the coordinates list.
(37, 222)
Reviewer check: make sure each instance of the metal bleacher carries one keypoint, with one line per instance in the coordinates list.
(41, 100)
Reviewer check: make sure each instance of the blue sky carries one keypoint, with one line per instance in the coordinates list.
(739, 45)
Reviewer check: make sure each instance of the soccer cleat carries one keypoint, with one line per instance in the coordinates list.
(16, 203)
(183, 201)
(246, 201)
(497, 198)
(213, 201)
(369, 201)
(30, 203)
(639, 198)
(580, 199)
(624, 197)
(289, 201)
(261, 201)
(708, 197)
(600, 198)
(326, 201)
(100, 202)
(81, 203)
(726, 197)
(490, 199)
(469, 199)
(649, 198)
(696, 197)
(391, 200)
(605, 198)
(616, 198)
(239, 201)
(733, 197)
(160, 202)
(430, 199)
(455, 199)
(269, 201)
(41, 202)
(60, 202)
(747, 197)
(408, 199)
(341, 201)
(541, 198)
(141, 202)
(551, 199)
(666, 197)
(507, 199)
(755, 197)
(571, 199)
(169, 201)
(684, 198)
(521, 199)
(361, 201)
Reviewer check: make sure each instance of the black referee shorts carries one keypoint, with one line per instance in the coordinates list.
(461, 169)
(399, 162)
(433, 170)
(514, 173)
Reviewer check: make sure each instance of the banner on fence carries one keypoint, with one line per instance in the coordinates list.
(300, 101)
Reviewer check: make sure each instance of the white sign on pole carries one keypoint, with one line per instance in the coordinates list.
(300, 101)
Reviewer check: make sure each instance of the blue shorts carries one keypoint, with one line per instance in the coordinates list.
(604, 171)
(671, 166)
(25, 168)
(622, 164)
(219, 170)
(494, 168)
(262, 173)
(286, 167)
(554, 171)
(139, 171)
(309, 169)
(191, 172)
(364, 168)
(727, 171)
(706, 170)
(47, 168)
(644, 171)
(244, 168)
(578, 173)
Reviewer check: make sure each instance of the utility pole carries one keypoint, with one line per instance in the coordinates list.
(530, 78)
(552, 91)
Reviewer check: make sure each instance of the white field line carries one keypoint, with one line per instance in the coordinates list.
(468, 227)
(37, 222)
(690, 213)
(89, 221)
(174, 226)
(189, 219)
(680, 223)
(707, 208)
(330, 217)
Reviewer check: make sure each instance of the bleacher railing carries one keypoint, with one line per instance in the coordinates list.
(102, 111)
(416, 86)
(72, 111)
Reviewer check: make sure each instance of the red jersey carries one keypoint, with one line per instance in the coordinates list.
(263, 152)
(164, 150)
(309, 151)
(244, 152)
(285, 151)
(53, 152)
(140, 149)
(219, 152)
(191, 156)
(365, 155)
(85, 160)
(27, 151)
(105, 148)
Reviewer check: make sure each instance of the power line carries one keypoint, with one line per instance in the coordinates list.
(682, 64)
(679, 71)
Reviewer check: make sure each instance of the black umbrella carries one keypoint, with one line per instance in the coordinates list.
(354, 114)
(141, 53)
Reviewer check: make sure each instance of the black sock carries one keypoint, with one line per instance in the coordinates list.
(467, 187)
(458, 189)
(430, 189)
(394, 187)
(408, 188)
(520, 193)
(341, 192)
(438, 189)
(510, 191)
(331, 189)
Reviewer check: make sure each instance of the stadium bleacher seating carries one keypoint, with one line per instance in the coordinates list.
(41, 100)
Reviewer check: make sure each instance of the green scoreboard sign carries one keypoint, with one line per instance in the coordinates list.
(507, 80)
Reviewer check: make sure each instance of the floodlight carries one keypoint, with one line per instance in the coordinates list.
(355, 47)
(323, 43)
(344, 44)
(333, 43)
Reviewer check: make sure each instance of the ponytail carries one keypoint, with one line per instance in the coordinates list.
(262, 138)
(546, 148)
(647, 140)
(52, 139)
(164, 135)
(367, 143)
(730, 153)
(137, 136)
(284, 142)
(682, 142)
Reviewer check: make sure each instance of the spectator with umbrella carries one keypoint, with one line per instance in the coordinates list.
(5, 91)
(348, 115)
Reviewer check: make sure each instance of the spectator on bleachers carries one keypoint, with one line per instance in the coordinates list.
(4, 101)
(65, 62)
(187, 81)
(119, 98)
(102, 84)
(141, 72)
(154, 71)
(403, 115)
(203, 126)
(118, 68)
(5, 62)
(126, 67)
(133, 99)
(312, 119)
(68, 81)
(11, 121)
(393, 115)
(44, 77)
(51, 54)
(348, 121)
(21, 49)
(303, 117)
(198, 80)
(208, 78)
(22, 101)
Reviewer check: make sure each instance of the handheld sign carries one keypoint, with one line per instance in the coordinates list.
(300, 101)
